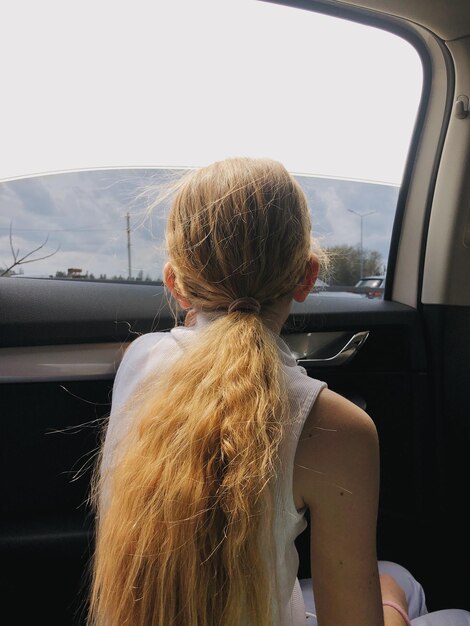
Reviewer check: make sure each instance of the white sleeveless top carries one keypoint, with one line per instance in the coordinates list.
(153, 351)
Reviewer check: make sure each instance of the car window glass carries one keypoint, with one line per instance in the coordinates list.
(334, 101)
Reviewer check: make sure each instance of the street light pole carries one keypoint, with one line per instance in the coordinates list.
(361, 250)
(128, 229)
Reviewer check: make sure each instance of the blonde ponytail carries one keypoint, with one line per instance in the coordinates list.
(186, 536)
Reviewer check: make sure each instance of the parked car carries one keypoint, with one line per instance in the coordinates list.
(371, 286)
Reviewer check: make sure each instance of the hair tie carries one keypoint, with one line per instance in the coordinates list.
(248, 304)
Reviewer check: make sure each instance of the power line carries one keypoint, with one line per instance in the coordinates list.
(65, 230)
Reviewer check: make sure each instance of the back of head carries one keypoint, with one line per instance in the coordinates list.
(238, 228)
(181, 541)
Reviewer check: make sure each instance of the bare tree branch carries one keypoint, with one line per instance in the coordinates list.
(11, 244)
(17, 260)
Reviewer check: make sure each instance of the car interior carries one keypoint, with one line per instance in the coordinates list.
(403, 357)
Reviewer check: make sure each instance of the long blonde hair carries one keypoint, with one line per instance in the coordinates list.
(182, 538)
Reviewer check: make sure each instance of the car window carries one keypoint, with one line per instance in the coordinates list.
(279, 85)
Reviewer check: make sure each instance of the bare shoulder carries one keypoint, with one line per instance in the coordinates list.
(332, 413)
(333, 410)
(338, 446)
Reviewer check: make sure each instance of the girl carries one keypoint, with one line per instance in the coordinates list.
(218, 443)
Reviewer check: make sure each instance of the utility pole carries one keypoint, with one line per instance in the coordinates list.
(361, 249)
(128, 221)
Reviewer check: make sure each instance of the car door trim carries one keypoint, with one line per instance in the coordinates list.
(100, 361)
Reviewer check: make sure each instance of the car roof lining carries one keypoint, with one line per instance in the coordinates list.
(435, 15)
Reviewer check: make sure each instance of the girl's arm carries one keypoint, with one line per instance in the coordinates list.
(337, 476)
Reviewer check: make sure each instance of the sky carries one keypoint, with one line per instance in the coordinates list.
(83, 217)
(156, 83)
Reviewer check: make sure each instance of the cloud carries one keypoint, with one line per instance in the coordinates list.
(84, 214)
(331, 201)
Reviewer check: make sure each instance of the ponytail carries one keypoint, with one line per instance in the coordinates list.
(182, 539)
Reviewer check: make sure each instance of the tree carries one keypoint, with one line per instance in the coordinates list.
(344, 265)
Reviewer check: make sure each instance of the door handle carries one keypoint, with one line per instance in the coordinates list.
(340, 355)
